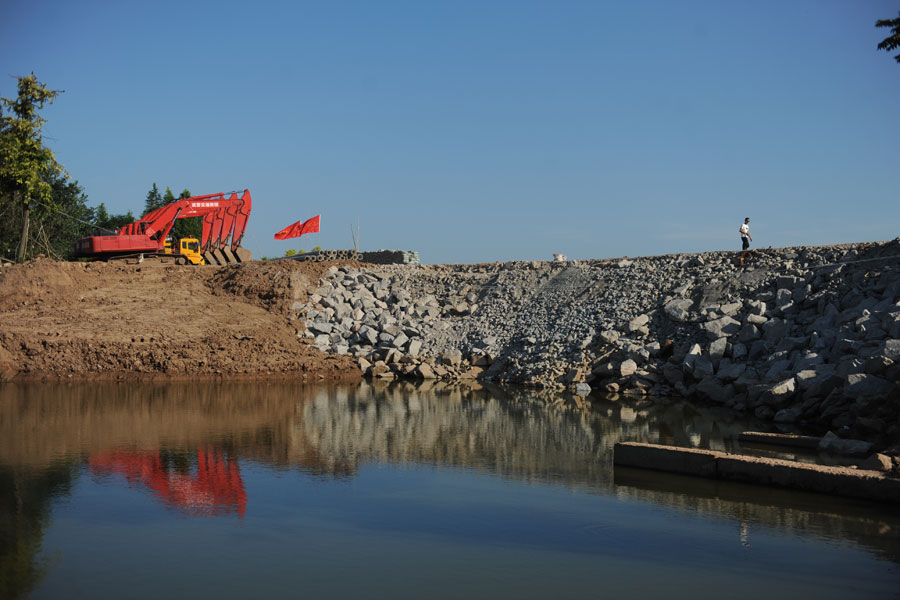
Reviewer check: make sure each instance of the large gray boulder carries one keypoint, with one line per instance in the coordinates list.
(628, 367)
(638, 322)
(730, 371)
(452, 357)
(779, 394)
(776, 370)
(712, 390)
(891, 349)
(318, 327)
(424, 371)
(774, 329)
(679, 309)
(721, 327)
(703, 367)
(673, 374)
(717, 350)
(748, 333)
(861, 386)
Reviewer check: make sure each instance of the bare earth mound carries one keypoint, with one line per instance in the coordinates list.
(63, 320)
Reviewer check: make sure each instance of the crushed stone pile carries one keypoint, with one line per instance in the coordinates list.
(798, 335)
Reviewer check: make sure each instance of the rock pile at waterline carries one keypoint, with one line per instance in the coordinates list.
(807, 334)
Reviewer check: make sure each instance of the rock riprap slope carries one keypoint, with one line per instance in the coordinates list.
(808, 334)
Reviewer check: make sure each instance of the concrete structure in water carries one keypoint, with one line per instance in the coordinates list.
(841, 481)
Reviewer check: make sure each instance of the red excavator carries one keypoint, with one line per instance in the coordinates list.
(224, 222)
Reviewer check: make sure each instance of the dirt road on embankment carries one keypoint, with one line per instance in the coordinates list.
(87, 321)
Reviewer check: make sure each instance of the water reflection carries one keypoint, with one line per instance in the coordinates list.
(206, 482)
(26, 497)
(185, 444)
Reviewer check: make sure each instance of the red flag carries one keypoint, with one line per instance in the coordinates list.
(299, 228)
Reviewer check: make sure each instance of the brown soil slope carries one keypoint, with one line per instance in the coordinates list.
(62, 320)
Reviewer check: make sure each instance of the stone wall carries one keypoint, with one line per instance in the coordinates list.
(798, 335)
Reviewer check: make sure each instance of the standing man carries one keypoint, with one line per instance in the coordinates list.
(745, 238)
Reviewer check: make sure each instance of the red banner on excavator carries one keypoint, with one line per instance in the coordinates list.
(299, 228)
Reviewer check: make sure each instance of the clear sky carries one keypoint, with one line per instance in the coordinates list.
(486, 130)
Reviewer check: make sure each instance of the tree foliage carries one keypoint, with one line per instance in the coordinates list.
(55, 225)
(28, 169)
(26, 165)
(892, 42)
(154, 200)
(107, 224)
(189, 227)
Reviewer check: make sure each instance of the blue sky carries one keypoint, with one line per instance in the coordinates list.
(482, 131)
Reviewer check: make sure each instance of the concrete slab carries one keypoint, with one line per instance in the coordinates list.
(841, 481)
(673, 459)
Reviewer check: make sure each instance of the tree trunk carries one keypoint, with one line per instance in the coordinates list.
(23, 243)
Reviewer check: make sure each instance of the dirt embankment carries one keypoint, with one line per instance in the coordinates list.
(62, 321)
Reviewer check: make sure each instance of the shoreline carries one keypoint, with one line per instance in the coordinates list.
(804, 336)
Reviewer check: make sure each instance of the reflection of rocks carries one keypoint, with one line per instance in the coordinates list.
(402, 425)
(527, 434)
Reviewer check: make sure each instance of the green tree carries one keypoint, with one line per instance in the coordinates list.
(892, 42)
(168, 197)
(186, 227)
(54, 226)
(189, 227)
(154, 200)
(58, 225)
(27, 166)
(108, 223)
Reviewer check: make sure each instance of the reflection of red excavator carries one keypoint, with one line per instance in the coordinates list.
(216, 488)
(224, 222)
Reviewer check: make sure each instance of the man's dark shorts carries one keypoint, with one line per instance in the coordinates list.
(745, 244)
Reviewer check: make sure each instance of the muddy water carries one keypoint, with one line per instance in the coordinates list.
(287, 490)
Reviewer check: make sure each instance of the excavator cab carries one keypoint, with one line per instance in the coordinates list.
(187, 249)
